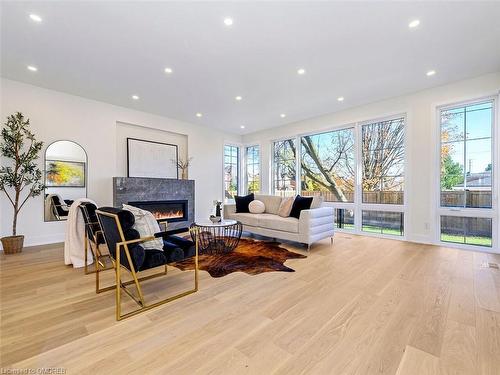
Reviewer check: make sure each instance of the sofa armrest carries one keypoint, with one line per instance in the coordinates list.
(316, 219)
(229, 210)
(315, 213)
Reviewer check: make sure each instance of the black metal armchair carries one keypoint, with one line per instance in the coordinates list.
(124, 244)
(60, 208)
(94, 238)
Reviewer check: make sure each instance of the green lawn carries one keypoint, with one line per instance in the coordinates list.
(470, 240)
(375, 229)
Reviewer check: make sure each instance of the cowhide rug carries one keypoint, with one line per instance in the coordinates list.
(252, 257)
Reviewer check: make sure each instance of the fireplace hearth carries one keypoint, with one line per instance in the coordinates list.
(165, 210)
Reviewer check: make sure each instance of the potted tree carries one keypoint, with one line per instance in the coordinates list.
(20, 177)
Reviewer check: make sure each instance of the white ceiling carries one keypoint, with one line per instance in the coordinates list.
(363, 51)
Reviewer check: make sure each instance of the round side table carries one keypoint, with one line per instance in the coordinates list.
(215, 238)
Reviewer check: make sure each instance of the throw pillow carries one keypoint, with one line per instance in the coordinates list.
(256, 207)
(146, 225)
(299, 204)
(317, 201)
(243, 202)
(286, 207)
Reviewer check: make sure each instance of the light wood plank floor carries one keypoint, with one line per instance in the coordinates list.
(363, 306)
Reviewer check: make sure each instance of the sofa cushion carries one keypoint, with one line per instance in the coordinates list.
(317, 201)
(247, 218)
(299, 204)
(271, 202)
(242, 202)
(275, 222)
(256, 207)
(146, 225)
(286, 206)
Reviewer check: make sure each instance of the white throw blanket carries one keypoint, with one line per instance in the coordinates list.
(74, 245)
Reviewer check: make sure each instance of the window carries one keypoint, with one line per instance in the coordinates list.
(231, 169)
(466, 176)
(284, 167)
(357, 169)
(253, 169)
(383, 162)
(344, 219)
(383, 222)
(467, 230)
(466, 156)
(327, 165)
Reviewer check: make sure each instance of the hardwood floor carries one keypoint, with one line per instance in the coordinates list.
(363, 306)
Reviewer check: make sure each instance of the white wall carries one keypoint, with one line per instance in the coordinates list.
(124, 131)
(92, 124)
(421, 141)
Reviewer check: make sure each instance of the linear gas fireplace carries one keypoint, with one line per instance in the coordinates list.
(169, 198)
(166, 210)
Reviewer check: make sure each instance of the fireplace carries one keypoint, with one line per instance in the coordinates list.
(146, 192)
(166, 210)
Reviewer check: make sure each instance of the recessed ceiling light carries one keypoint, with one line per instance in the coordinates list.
(340, 98)
(199, 114)
(135, 97)
(414, 24)
(168, 70)
(238, 98)
(35, 17)
(228, 21)
(242, 126)
(301, 71)
(282, 115)
(430, 73)
(32, 68)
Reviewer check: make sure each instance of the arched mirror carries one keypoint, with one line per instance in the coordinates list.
(65, 178)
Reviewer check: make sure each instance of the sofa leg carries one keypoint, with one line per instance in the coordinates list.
(331, 240)
(308, 247)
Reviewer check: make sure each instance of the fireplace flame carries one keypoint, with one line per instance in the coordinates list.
(174, 214)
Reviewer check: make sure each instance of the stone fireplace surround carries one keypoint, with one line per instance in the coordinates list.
(137, 189)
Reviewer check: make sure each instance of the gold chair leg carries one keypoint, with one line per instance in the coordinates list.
(119, 285)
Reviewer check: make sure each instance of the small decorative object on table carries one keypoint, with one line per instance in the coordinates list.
(215, 219)
(218, 212)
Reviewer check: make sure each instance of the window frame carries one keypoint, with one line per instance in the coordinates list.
(245, 165)
(385, 207)
(348, 205)
(357, 206)
(490, 213)
(238, 146)
(297, 163)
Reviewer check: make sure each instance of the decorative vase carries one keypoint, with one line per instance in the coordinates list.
(12, 244)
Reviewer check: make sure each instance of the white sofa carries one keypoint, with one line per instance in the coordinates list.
(313, 225)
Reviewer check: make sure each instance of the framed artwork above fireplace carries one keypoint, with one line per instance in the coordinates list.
(151, 159)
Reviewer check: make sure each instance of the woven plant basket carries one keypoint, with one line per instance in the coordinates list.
(12, 244)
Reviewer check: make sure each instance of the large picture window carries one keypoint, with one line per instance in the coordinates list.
(253, 169)
(231, 171)
(383, 162)
(466, 176)
(284, 167)
(357, 169)
(327, 165)
(466, 156)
